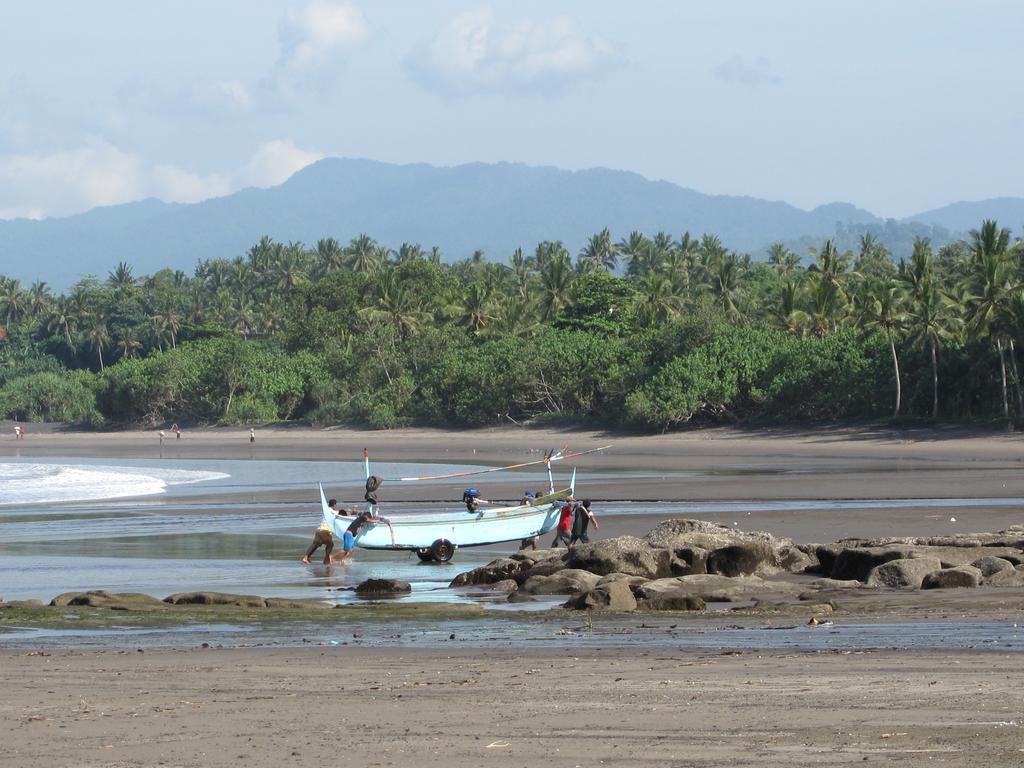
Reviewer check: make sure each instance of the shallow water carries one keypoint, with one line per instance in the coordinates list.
(194, 531)
(540, 631)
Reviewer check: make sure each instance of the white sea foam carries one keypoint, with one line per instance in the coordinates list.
(39, 483)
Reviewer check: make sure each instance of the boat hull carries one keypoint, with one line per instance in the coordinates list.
(419, 530)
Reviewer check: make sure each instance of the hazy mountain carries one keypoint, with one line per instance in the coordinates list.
(494, 207)
(1008, 211)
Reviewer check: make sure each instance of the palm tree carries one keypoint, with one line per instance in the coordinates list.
(919, 272)
(39, 299)
(396, 305)
(362, 254)
(601, 251)
(990, 239)
(555, 279)
(241, 317)
(825, 305)
(63, 318)
(790, 316)
(290, 268)
(546, 252)
(13, 299)
(128, 343)
(409, 252)
(98, 336)
(513, 316)
(725, 283)
(831, 268)
(657, 301)
(783, 260)
(521, 270)
(931, 323)
(261, 254)
(173, 326)
(874, 261)
(476, 309)
(631, 248)
(158, 331)
(884, 311)
(991, 283)
(329, 255)
(121, 279)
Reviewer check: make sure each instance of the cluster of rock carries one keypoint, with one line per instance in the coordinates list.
(683, 564)
(136, 601)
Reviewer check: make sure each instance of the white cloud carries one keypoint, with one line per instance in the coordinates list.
(756, 73)
(313, 40)
(273, 162)
(168, 182)
(473, 54)
(70, 181)
(96, 174)
(311, 34)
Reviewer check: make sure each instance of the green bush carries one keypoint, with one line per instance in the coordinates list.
(67, 396)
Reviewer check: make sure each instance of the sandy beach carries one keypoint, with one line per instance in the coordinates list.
(270, 708)
(659, 704)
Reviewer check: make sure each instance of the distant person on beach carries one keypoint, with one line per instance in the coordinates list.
(348, 540)
(252, 435)
(177, 431)
(564, 524)
(583, 518)
(323, 537)
(19, 433)
(162, 435)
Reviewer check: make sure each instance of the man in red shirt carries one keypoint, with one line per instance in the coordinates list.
(564, 525)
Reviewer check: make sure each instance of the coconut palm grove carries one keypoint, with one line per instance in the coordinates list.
(647, 331)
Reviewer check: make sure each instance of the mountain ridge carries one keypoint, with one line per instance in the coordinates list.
(491, 206)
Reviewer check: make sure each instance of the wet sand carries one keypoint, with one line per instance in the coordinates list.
(378, 707)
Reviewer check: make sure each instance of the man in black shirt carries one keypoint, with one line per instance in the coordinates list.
(584, 517)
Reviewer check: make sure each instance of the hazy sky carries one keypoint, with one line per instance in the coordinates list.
(896, 106)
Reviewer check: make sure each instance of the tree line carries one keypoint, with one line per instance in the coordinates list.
(645, 331)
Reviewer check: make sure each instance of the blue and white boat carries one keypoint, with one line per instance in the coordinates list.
(435, 536)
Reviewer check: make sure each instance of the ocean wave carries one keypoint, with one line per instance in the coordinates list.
(24, 483)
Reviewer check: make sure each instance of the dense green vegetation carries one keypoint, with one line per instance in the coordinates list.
(648, 332)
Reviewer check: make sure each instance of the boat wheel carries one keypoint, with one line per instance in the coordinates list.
(442, 550)
(425, 554)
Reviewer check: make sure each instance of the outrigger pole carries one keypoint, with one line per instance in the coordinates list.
(366, 467)
(548, 458)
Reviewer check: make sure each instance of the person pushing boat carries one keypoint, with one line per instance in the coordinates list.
(348, 539)
(323, 537)
(564, 524)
